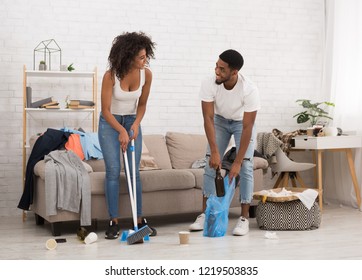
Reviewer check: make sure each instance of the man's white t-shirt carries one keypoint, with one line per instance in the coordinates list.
(231, 104)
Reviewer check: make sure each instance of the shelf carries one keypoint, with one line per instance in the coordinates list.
(34, 73)
(62, 110)
(44, 77)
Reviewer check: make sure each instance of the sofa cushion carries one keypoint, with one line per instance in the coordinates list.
(184, 149)
(157, 148)
(157, 180)
(96, 164)
(199, 177)
(163, 180)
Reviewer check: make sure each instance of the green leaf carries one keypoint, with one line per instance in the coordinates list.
(314, 112)
(302, 118)
(70, 67)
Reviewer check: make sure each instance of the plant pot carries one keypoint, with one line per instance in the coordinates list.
(42, 67)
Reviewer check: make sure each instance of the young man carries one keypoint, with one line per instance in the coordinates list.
(230, 103)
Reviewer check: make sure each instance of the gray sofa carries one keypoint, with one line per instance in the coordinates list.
(170, 185)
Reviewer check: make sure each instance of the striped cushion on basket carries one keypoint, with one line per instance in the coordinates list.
(288, 215)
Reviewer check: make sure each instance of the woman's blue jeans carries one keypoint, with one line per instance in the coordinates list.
(111, 149)
(224, 129)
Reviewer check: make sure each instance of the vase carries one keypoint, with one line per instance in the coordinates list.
(42, 67)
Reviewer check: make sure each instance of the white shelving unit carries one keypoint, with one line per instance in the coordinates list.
(34, 112)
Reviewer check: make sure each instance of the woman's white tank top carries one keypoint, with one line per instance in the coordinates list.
(125, 102)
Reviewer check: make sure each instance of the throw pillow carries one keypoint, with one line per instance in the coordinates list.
(184, 148)
(147, 161)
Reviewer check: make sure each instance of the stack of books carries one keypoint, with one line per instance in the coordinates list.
(48, 102)
(80, 104)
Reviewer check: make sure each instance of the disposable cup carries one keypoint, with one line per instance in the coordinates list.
(51, 244)
(91, 238)
(184, 237)
(310, 131)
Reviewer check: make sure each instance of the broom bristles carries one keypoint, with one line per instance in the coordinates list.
(138, 235)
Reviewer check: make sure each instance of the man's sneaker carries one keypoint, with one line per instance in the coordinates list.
(242, 227)
(144, 223)
(198, 224)
(113, 230)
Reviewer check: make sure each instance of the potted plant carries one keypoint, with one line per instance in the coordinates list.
(42, 65)
(314, 111)
(71, 68)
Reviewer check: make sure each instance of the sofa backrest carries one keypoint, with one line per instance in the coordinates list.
(156, 145)
(184, 149)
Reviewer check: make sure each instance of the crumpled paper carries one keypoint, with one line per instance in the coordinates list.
(271, 235)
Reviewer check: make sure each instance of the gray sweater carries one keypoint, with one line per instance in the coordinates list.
(67, 185)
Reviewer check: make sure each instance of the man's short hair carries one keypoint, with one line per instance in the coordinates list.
(233, 58)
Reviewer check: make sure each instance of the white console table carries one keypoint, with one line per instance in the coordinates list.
(330, 143)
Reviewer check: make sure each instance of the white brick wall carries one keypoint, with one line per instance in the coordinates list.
(281, 41)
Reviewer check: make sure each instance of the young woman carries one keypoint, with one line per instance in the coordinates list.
(125, 90)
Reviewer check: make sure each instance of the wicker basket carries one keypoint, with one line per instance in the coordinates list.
(286, 212)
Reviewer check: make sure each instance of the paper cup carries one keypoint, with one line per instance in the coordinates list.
(91, 238)
(184, 237)
(51, 244)
(310, 131)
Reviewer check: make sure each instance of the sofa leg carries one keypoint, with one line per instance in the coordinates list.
(39, 220)
(55, 227)
(95, 224)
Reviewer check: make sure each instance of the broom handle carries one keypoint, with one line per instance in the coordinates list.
(134, 176)
(130, 188)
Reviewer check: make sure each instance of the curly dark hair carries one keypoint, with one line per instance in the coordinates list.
(125, 48)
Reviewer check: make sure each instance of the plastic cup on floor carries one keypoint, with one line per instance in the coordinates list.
(51, 244)
(184, 237)
(91, 238)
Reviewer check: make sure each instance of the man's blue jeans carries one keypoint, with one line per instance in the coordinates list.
(224, 129)
(110, 145)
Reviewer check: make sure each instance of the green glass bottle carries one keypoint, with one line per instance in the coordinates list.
(82, 233)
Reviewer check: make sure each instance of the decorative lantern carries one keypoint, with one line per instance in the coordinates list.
(47, 48)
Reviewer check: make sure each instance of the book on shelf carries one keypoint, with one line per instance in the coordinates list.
(39, 103)
(75, 102)
(51, 105)
(28, 97)
(80, 107)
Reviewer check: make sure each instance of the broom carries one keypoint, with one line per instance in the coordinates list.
(137, 235)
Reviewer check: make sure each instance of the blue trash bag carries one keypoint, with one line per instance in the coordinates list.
(217, 211)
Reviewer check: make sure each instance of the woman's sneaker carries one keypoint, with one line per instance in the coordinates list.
(198, 224)
(113, 230)
(144, 223)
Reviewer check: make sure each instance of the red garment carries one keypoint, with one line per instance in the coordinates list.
(73, 144)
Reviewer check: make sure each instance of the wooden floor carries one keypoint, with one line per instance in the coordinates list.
(338, 238)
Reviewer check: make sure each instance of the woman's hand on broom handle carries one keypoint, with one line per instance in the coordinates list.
(124, 140)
